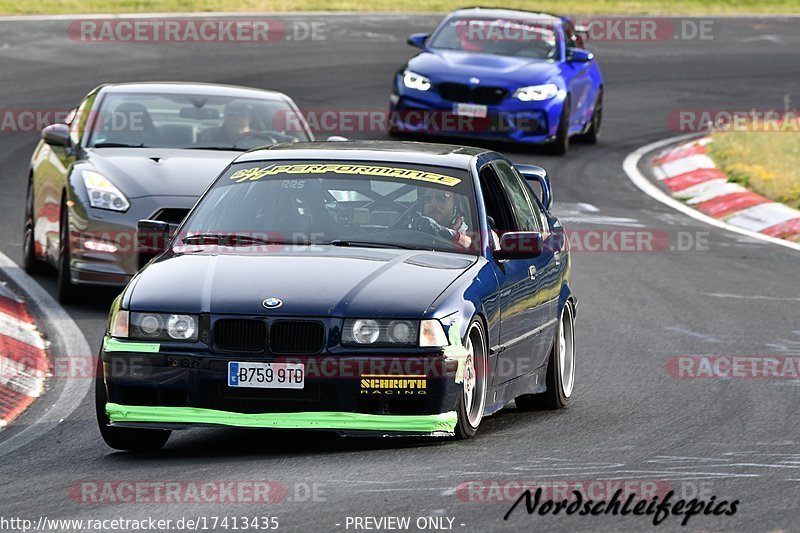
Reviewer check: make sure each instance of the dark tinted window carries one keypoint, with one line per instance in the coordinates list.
(515, 189)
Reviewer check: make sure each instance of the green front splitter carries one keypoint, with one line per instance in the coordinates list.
(310, 420)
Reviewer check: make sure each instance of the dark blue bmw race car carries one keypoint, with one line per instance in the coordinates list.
(501, 75)
(388, 288)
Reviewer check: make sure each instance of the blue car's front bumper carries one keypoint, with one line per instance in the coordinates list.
(427, 112)
(152, 386)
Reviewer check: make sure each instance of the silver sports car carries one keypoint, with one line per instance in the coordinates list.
(137, 151)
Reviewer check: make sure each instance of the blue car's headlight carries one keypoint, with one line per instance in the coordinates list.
(412, 80)
(161, 326)
(102, 193)
(536, 93)
(373, 332)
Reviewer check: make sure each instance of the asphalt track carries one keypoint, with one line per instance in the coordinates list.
(630, 420)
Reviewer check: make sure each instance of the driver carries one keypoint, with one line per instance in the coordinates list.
(237, 122)
(440, 216)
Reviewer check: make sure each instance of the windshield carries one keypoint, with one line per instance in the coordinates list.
(534, 39)
(337, 203)
(194, 121)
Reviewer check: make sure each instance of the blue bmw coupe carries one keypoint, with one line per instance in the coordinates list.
(500, 74)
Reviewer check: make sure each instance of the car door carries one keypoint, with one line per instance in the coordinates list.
(550, 274)
(522, 315)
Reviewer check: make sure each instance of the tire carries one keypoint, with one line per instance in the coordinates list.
(472, 401)
(561, 143)
(592, 135)
(65, 289)
(560, 378)
(125, 439)
(30, 262)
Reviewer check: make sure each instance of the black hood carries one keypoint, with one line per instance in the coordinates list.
(141, 172)
(332, 282)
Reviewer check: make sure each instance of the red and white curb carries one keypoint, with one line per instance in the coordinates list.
(23, 360)
(691, 176)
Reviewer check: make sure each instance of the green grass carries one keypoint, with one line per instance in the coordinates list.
(767, 162)
(583, 7)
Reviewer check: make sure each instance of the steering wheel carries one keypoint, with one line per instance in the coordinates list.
(272, 139)
(405, 218)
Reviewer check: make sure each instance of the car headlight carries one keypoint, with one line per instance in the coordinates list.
(536, 93)
(163, 326)
(412, 80)
(370, 332)
(102, 193)
(120, 324)
(432, 334)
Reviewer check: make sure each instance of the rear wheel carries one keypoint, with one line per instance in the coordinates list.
(126, 439)
(32, 264)
(473, 396)
(560, 378)
(65, 288)
(561, 143)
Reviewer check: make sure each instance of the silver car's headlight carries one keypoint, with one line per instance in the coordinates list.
(163, 326)
(102, 193)
(412, 80)
(536, 93)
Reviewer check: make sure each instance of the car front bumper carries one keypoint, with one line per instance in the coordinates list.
(103, 244)
(510, 121)
(155, 388)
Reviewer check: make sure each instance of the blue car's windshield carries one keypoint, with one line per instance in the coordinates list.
(338, 203)
(535, 39)
(194, 121)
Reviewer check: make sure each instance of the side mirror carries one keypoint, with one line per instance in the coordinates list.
(539, 175)
(152, 236)
(57, 135)
(579, 55)
(418, 39)
(337, 139)
(520, 245)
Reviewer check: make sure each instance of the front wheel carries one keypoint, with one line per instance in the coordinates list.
(32, 264)
(126, 439)
(560, 378)
(473, 396)
(65, 289)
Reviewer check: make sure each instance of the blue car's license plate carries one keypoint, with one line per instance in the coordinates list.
(266, 375)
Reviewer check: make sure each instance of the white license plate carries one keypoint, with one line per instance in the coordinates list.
(266, 375)
(470, 110)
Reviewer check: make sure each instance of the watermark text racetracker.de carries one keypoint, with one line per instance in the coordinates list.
(196, 31)
(35, 120)
(185, 492)
(734, 367)
(599, 240)
(603, 29)
(734, 120)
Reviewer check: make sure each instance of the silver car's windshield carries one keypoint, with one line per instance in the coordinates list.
(534, 39)
(338, 203)
(194, 121)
